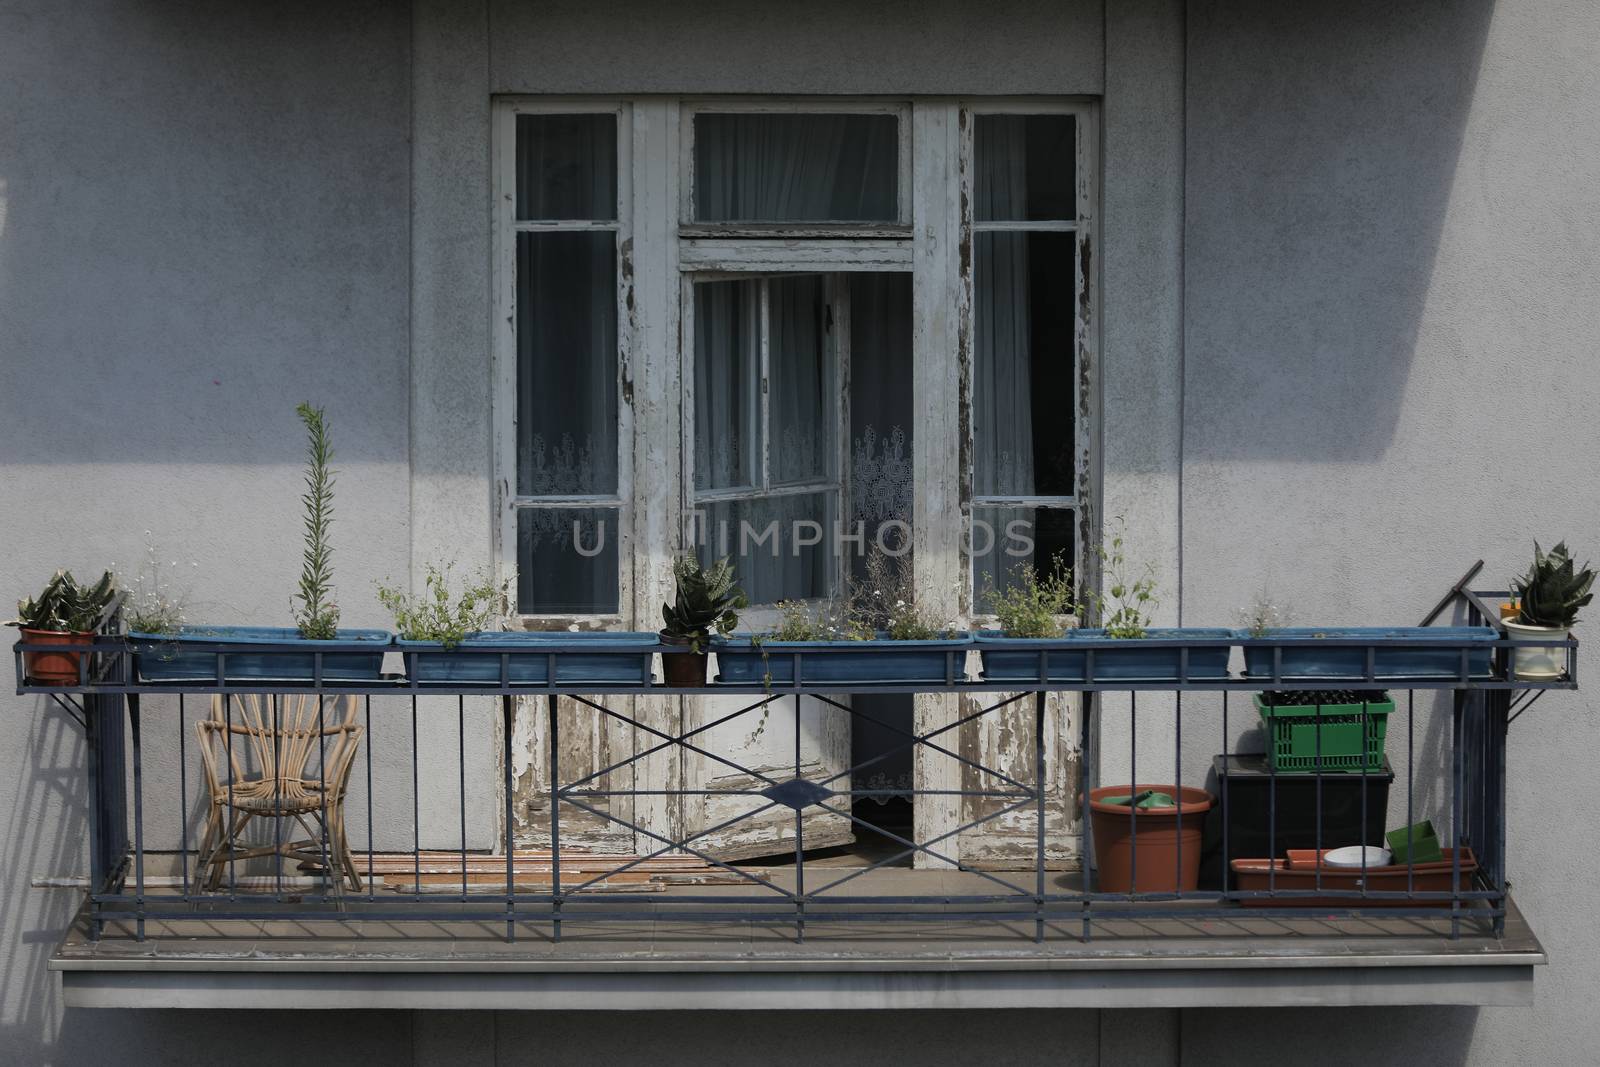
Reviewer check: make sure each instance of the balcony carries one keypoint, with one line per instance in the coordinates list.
(324, 910)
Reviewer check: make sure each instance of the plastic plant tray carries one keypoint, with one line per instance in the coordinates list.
(1349, 662)
(621, 658)
(741, 661)
(353, 656)
(1017, 659)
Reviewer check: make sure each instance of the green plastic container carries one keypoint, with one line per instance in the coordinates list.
(1345, 739)
(1418, 843)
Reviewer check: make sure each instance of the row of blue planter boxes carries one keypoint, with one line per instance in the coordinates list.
(260, 654)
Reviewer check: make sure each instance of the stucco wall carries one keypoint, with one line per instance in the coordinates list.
(1384, 251)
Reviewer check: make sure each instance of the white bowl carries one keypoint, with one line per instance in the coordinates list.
(1358, 856)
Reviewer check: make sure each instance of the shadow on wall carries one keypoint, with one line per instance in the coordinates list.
(1322, 144)
(203, 219)
(1351, 1035)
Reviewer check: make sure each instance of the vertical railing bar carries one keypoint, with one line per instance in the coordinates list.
(1457, 703)
(800, 830)
(1177, 769)
(1411, 854)
(183, 795)
(555, 819)
(1090, 706)
(371, 844)
(1039, 788)
(416, 811)
(332, 872)
(1133, 798)
(507, 703)
(136, 732)
(277, 799)
(1367, 751)
(1317, 788)
(461, 750)
(1272, 777)
(1226, 778)
(227, 823)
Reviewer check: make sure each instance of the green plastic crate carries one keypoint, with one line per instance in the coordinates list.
(1348, 740)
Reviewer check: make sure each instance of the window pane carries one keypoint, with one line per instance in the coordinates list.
(566, 363)
(1024, 397)
(1008, 542)
(796, 168)
(567, 561)
(781, 546)
(1026, 168)
(567, 167)
(801, 405)
(727, 354)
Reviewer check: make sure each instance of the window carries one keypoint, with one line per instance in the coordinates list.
(782, 310)
(1025, 408)
(565, 512)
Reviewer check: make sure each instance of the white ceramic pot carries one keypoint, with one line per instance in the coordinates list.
(1538, 661)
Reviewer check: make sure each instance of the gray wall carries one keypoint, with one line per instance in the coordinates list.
(1388, 304)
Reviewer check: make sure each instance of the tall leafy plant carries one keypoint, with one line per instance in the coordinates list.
(1127, 606)
(317, 616)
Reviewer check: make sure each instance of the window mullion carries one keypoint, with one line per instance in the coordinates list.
(765, 480)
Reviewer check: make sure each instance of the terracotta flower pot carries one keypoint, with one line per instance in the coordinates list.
(1154, 849)
(685, 670)
(53, 668)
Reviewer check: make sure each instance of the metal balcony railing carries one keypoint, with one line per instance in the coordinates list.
(1464, 769)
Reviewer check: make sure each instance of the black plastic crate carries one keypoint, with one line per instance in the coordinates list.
(1243, 786)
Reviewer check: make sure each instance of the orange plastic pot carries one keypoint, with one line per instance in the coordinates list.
(53, 668)
(1147, 850)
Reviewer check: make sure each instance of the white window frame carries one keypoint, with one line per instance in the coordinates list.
(1081, 501)
(708, 250)
(837, 483)
(900, 109)
(506, 228)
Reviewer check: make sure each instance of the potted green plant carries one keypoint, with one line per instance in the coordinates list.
(452, 632)
(1034, 612)
(65, 614)
(347, 655)
(1548, 599)
(1127, 646)
(706, 603)
(880, 632)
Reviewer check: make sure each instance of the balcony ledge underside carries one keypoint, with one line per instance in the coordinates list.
(672, 967)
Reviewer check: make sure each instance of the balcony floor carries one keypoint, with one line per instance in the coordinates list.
(662, 963)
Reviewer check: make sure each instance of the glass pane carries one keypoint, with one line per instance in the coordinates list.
(1026, 168)
(781, 546)
(801, 405)
(567, 561)
(1024, 399)
(567, 167)
(1008, 542)
(881, 427)
(566, 363)
(727, 375)
(796, 168)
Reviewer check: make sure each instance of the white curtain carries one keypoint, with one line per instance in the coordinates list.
(776, 167)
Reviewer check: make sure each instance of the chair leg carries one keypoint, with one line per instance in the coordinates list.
(343, 857)
(202, 872)
(226, 847)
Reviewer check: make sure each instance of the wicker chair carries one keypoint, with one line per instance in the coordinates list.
(257, 757)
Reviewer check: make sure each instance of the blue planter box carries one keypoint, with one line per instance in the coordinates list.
(1016, 659)
(353, 656)
(1350, 661)
(597, 658)
(741, 662)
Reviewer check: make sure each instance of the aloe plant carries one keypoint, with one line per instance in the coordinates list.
(707, 602)
(65, 605)
(1554, 588)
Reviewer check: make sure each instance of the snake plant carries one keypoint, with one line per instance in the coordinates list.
(707, 601)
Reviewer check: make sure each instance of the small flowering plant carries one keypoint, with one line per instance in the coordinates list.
(155, 604)
(1264, 615)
